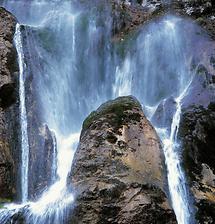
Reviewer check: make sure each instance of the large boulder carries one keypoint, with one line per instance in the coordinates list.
(119, 173)
(9, 119)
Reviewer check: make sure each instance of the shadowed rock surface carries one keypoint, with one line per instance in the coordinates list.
(7, 59)
(9, 152)
(41, 139)
(164, 113)
(197, 136)
(118, 171)
(196, 132)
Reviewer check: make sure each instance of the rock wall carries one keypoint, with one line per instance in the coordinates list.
(119, 173)
(197, 136)
(41, 139)
(9, 126)
(196, 132)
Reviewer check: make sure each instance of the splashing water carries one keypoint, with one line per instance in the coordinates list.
(59, 69)
(176, 177)
(76, 69)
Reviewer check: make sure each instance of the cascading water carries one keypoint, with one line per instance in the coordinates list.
(62, 63)
(23, 117)
(176, 177)
(159, 68)
(76, 68)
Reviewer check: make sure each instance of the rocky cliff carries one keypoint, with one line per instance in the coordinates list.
(8, 107)
(119, 173)
(196, 134)
(131, 14)
(41, 139)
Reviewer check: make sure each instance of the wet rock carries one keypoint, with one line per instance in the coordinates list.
(164, 113)
(202, 88)
(42, 146)
(42, 141)
(119, 173)
(9, 112)
(196, 133)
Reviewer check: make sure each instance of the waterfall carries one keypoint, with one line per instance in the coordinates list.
(159, 69)
(175, 174)
(23, 117)
(69, 48)
(76, 68)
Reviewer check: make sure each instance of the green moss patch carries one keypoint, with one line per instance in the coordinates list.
(117, 111)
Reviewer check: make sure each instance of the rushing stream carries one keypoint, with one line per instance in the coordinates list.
(76, 67)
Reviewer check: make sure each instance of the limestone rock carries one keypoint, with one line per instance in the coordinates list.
(118, 172)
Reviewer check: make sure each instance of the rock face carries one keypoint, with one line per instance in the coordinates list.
(118, 171)
(42, 146)
(196, 132)
(132, 14)
(162, 118)
(41, 138)
(202, 11)
(7, 59)
(197, 135)
(9, 126)
(129, 16)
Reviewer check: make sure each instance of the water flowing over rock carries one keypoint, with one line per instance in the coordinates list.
(197, 136)
(41, 138)
(196, 133)
(9, 126)
(77, 54)
(118, 171)
(162, 117)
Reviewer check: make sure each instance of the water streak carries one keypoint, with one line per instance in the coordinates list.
(23, 117)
